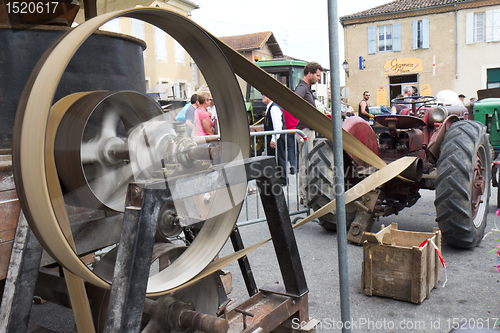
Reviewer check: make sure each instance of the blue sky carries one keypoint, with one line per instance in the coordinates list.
(301, 31)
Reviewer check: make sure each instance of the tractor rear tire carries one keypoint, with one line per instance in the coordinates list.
(463, 184)
(320, 184)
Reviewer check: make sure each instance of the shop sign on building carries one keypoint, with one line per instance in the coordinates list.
(402, 66)
(425, 90)
(381, 96)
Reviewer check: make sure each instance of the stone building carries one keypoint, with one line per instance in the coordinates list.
(262, 46)
(431, 45)
(170, 71)
(254, 47)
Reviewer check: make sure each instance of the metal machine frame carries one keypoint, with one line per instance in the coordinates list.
(128, 289)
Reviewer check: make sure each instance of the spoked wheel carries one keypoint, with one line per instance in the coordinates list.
(92, 150)
(463, 184)
(424, 101)
(98, 162)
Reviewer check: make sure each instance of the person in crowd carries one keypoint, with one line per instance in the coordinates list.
(408, 92)
(312, 74)
(363, 107)
(275, 121)
(414, 91)
(291, 124)
(213, 115)
(203, 122)
(396, 108)
(461, 97)
(190, 114)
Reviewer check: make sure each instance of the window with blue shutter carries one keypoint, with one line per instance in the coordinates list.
(415, 34)
(384, 38)
(372, 42)
(425, 33)
(396, 35)
(420, 29)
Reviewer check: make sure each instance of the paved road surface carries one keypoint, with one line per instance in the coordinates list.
(470, 295)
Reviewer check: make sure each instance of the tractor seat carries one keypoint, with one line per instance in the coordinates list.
(400, 121)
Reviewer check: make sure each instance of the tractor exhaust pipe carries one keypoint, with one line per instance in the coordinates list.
(415, 171)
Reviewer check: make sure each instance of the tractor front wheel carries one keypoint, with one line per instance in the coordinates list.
(463, 184)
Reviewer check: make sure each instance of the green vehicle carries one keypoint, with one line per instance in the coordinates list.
(487, 111)
(287, 71)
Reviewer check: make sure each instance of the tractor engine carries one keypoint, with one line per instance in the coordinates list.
(403, 142)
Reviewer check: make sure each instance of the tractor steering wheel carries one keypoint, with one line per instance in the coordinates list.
(413, 100)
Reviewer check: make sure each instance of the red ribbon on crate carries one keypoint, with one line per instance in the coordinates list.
(439, 255)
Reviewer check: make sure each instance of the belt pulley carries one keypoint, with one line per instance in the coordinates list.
(36, 126)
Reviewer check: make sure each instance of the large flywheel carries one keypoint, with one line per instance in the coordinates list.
(89, 146)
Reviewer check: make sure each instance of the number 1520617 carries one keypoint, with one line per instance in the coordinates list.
(31, 7)
(471, 323)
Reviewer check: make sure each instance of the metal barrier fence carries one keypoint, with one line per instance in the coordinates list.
(252, 210)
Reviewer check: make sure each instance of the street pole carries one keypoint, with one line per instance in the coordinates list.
(333, 34)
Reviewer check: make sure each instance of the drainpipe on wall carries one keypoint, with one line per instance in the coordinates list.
(456, 40)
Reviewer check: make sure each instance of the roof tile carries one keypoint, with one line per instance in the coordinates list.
(255, 41)
(402, 5)
(247, 42)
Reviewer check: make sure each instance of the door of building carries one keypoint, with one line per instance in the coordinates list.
(398, 83)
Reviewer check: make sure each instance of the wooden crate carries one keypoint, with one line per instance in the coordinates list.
(394, 265)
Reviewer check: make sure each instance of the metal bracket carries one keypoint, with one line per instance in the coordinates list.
(127, 296)
(130, 277)
(364, 218)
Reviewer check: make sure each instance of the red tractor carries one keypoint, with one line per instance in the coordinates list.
(453, 158)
